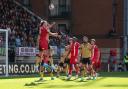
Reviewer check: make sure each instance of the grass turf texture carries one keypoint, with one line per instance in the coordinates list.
(115, 80)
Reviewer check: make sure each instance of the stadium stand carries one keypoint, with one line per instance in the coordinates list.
(21, 24)
(23, 28)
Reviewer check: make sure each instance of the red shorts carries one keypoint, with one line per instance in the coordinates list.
(43, 45)
(73, 60)
(96, 64)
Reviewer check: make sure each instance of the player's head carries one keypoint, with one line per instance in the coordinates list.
(43, 23)
(66, 48)
(74, 39)
(85, 39)
(93, 41)
(70, 40)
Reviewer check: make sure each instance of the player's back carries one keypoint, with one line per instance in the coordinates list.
(74, 49)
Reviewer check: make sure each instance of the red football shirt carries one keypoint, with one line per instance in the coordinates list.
(95, 53)
(74, 52)
(43, 41)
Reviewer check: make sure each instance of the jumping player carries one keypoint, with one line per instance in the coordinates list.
(43, 41)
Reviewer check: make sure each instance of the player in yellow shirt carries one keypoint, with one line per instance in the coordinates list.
(85, 52)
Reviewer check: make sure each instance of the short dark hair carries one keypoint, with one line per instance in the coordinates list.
(74, 38)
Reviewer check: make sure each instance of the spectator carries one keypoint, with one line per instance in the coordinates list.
(17, 20)
(120, 67)
(113, 60)
(11, 41)
(11, 55)
(18, 41)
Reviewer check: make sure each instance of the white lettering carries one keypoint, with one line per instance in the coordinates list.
(22, 68)
(27, 68)
(33, 68)
(11, 68)
(16, 68)
(1, 69)
(4, 68)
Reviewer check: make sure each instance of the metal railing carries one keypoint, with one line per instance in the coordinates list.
(62, 11)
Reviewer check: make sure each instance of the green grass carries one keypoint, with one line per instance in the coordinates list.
(115, 80)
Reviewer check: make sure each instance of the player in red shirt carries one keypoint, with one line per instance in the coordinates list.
(95, 58)
(43, 41)
(74, 50)
(44, 34)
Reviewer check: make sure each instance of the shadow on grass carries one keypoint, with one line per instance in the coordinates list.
(64, 79)
(68, 85)
(90, 82)
(59, 86)
(82, 81)
(67, 79)
(40, 80)
(31, 84)
(35, 83)
(116, 86)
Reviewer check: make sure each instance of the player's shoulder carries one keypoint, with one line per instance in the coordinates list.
(95, 46)
(67, 46)
(77, 43)
(88, 43)
(82, 44)
(41, 27)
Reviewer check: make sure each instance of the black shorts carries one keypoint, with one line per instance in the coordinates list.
(61, 64)
(42, 63)
(86, 61)
(48, 46)
(67, 61)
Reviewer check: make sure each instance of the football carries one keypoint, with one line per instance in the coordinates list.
(51, 6)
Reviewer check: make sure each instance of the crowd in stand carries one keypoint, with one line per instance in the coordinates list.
(21, 24)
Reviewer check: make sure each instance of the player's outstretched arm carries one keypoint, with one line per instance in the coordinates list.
(53, 34)
(51, 25)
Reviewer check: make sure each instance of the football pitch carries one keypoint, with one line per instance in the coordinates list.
(112, 80)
